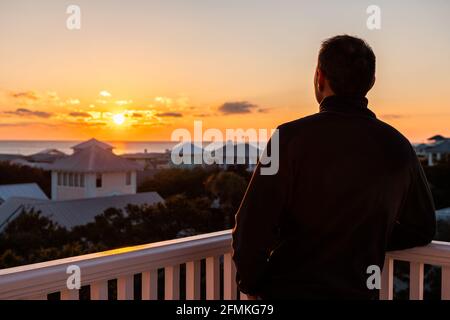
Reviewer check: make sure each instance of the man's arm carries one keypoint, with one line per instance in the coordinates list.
(257, 225)
(416, 224)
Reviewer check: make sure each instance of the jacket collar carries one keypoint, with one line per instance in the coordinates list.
(346, 105)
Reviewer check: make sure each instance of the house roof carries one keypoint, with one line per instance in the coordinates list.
(47, 155)
(437, 138)
(439, 147)
(242, 150)
(443, 214)
(90, 143)
(94, 159)
(29, 190)
(188, 148)
(71, 213)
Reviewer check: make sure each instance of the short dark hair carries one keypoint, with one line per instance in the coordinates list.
(349, 65)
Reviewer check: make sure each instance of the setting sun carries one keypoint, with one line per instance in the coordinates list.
(119, 118)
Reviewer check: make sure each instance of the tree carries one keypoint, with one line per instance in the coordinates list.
(229, 189)
(13, 174)
(170, 182)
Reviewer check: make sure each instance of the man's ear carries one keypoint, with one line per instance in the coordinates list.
(320, 79)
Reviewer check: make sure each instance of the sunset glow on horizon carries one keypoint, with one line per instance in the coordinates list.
(139, 70)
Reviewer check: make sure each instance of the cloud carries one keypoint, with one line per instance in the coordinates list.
(124, 102)
(80, 114)
(25, 95)
(169, 114)
(28, 113)
(137, 115)
(393, 116)
(73, 101)
(202, 115)
(238, 107)
(25, 124)
(105, 93)
(263, 110)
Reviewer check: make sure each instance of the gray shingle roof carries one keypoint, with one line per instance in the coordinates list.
(71, 213)
(94, 159)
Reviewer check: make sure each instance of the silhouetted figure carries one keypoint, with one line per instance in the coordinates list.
(349, 188)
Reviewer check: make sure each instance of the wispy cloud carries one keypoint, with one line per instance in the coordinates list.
(29, 113)
(169, 114)
(80, 114)
(31, 95)
(73, 101)
(393, 116)
(238, 107)
(25, 124)
(105, 93)
(203, 115)
(124, 102)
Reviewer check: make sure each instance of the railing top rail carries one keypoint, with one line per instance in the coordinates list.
(51, 276)
(436, 253)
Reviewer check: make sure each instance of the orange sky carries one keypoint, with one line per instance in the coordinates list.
(231, 64)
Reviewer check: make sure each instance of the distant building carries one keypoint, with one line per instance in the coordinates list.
(438, 149)
(46, 156)
(231, 154)
(72, 213)
(29, 190)
(150, 160)
(187, 155)
(443, 214)
(93, 170)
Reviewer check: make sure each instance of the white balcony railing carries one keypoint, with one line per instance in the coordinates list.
(37, 281)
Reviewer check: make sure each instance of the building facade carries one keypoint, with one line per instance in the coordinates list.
(93, 170)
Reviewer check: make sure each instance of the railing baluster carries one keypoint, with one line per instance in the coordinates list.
(212, 278)
(125, 287)
(387, 280)
(99, 290)
(242, 296)
(150, 285)
(70, 294)
(229, 278)
(172, 282)
(445, 291)
(193, 280)
(416, 281)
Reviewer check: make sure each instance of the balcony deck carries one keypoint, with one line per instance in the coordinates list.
(37, 281)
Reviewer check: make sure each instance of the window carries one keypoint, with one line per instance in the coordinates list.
(70, 179)
(59, 178)
(98, 180)
(64, 179)
(128, 179)
(82, 180)
(76, 179)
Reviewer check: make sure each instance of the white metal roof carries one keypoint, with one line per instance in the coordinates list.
(90, 143)
(443, 214)
(71, 213)
(28, 190)
(94, 159)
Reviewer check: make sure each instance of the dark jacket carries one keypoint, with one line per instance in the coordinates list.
(349, 188)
